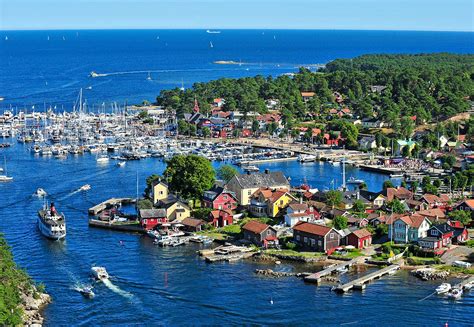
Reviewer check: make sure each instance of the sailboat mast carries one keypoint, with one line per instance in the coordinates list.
(343, 174)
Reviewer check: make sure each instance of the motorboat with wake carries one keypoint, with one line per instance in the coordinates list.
(86, 291)
(86, 187)
(51, 223)
(100, 273)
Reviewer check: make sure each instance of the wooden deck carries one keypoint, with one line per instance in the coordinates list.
(316, 277)
(109, 203)
(360, 283)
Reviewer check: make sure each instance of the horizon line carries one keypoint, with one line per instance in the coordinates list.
(228, 29)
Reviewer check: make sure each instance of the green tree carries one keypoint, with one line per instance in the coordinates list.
(255, 127)
(387, 184)
(396, 206)
(339, 222)
(189, 175)
(358, 206)
(206, 132)
(333, 198)
(202, 213)
(149, 183)
(226, 172)
(460, 215)
(145, 204)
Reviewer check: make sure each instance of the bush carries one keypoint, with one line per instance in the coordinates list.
(290, 246)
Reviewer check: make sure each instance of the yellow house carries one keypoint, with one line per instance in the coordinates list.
(159, 191)
(268, 202)
(245, 185)
(176, 210)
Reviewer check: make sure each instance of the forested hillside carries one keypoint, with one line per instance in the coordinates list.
(429, 86)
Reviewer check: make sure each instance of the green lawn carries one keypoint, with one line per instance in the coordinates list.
(350, 254)
(452, 269)
(214, 235)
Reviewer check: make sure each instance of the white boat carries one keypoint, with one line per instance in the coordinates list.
(335, 163)
(211, 45)
(102, 159)
(213, 32)
(51, 223)
(306, 158)
(342, 270)
(4, 177)
(86, 187)
(443, 288)
(40, 192)
(250, 168)
(100, 273)
(86, 291)
(455, 294)
(121, 163)
(353, 180)
(148, 77)
(396, 176)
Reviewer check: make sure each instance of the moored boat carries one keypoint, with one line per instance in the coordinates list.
(353, 180)
(86, 291)
(455, 294)
(51, 223)
(443, 288)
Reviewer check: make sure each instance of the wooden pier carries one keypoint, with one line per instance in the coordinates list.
(464, 282)
(360, 283)
(316, 277)
(95, 210)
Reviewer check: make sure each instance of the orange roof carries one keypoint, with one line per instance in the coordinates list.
(431, 198)
(414, 221)
(470, 203)
(307, 94)
(435, 212)
(310, 228)
(255, 226)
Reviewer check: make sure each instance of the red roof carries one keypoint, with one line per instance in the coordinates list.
(361, 233)
(312, 228)
(255, 226)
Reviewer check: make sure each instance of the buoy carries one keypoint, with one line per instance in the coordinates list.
(271, 301)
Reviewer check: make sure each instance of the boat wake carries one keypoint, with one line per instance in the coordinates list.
(117, 289)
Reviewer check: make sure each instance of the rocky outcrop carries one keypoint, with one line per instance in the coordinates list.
(430, 274)
(32, 304)
(271, 273)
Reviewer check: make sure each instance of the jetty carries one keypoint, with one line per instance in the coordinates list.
(316, 277)
(227, 253)
(95, 210)
(464, 282)
(360, 283)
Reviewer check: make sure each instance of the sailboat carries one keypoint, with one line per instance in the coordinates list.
(149, 77)
(6, 38)
(211, 45)
(182, 85)
(5, 177)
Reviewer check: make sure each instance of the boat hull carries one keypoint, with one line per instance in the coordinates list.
(48, 233)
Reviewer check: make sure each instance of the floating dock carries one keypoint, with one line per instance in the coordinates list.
(316, 277)
(123, 227)
(360, 283)
(95, 210)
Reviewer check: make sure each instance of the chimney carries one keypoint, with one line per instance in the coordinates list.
(267, 171)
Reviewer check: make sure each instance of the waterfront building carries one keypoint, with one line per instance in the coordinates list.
(260, 234)
(360, 238)
(297, 212)
(245, 185)
(150, 218)
(316, 237)
(192, 225)
(176, 210)
(439, 236)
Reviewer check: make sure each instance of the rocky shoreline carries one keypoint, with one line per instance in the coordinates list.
(33, 302)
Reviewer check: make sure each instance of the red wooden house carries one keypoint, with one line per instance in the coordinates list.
(219, 198)
(150, 218)
(439, 236)
(221, 218)
(360, 238)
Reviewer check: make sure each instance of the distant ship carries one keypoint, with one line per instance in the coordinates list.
(213, 32)
(94, 74)
(51, 223)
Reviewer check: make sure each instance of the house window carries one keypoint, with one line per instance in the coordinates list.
(319, 242)
(331, 236)
(225, 197)
(305, 239)
(281, 202)
(434, 232)
(313, 242)
(269, 232)
(250, 193)
(298, 237)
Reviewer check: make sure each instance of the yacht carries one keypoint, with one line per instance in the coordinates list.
(51, 223)
(86, 187)
(40, 192)
(213, 32)
(306, 158)
(121, 163)
(103, 159)
(100, 273)
(443, 288)
(354, 180)
(250, 168)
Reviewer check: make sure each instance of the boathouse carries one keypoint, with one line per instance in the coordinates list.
(316, 237)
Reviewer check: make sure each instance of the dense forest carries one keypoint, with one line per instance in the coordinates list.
(428, 86)
(13, 281)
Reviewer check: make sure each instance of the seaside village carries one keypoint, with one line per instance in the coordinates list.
(423, 222)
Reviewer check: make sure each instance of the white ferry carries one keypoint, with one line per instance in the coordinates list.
(51, 223)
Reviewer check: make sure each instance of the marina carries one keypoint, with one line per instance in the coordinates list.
(361, 282)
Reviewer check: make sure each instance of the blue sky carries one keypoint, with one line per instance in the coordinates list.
(435, 15)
